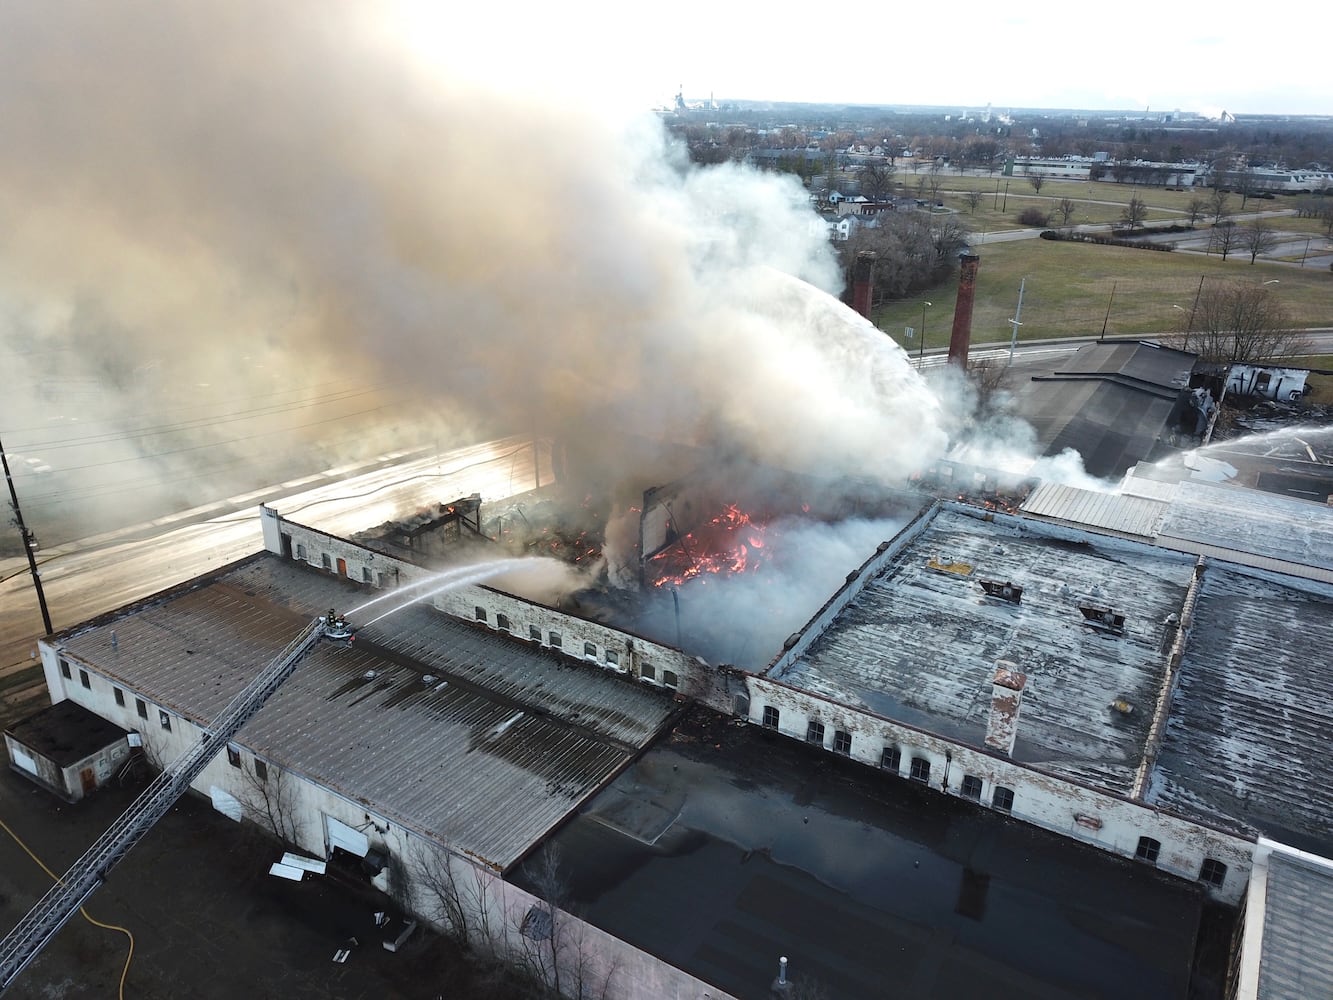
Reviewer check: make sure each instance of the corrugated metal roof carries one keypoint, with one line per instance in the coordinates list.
(1297, 961)
(488, 763)
(1126, 515)
(1247, 739)
(1252, 522)
(920, 646)
(1149, 489)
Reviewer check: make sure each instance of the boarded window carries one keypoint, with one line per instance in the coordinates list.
(300, 551)
(233, 755)
(365, 574)
(612, 658)
(325, 560)
(590, 650)
(534, 633)
(648, 672)
(554, 639)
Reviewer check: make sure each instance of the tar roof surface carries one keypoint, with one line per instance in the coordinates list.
(1248, 734)
(65, 733)
(1109, 402)
(487, 762)
(920, 646)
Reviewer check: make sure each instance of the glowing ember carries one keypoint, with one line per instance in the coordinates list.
(729, 543)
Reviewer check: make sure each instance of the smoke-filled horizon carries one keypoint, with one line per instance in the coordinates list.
(275, 194)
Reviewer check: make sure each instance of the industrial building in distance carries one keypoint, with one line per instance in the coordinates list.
(1127, 671)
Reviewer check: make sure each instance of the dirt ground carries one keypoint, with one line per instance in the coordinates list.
(208, 920)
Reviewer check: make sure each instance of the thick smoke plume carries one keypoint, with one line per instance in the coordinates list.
(266, 196)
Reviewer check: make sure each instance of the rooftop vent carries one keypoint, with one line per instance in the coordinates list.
(428, 679)
(369, 675)
(1122, 706)
(940, 563)
(1002, 590)
(1103, 618)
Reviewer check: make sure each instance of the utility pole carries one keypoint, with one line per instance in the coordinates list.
(27, 541)
(1107, 318)
(1013, 342)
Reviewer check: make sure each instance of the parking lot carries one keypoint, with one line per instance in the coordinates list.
(207, 918)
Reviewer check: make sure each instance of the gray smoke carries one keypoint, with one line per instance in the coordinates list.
(255, 201)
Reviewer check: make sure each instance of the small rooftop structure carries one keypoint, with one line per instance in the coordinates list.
(67, 749)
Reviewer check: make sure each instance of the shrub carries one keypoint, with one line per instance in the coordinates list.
(1033, 216)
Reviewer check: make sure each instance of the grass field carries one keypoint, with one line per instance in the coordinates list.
(1070, 286)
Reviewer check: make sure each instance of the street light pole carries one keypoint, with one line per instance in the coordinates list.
(1013, 342)
(921, 349)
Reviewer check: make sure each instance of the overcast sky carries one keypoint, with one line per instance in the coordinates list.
(1034, 53)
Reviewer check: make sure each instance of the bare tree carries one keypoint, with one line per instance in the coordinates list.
(1241, 322)
(1036, 180)
(1224, 238)
(973, 199)
(1134, 213)
(1066, 207)
(554, 948)
(876, 179)
(1219, 205)
(936, 179)
(1258, 238)
(270, 799)
(1195, 210)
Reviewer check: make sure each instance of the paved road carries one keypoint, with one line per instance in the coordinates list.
(98, 574)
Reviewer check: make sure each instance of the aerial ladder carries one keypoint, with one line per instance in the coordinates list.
(87, 874)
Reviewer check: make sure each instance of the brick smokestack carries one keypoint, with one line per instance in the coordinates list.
(961, 340)
(863, 281)
(1005, 700)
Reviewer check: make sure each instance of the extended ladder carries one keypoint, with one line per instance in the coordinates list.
(86, 875)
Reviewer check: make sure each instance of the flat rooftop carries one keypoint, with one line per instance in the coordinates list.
(725, 847)
(919, 646)
(498, 746)
(1248, 734)
(65, 733)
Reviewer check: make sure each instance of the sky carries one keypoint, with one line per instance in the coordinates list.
(1039, 53)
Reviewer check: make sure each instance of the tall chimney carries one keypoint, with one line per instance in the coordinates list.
(863, 281)
(1005, 700)
(961, 340)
